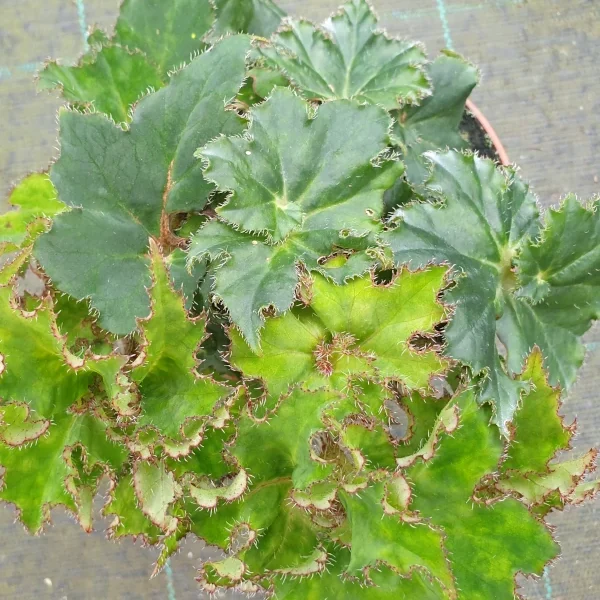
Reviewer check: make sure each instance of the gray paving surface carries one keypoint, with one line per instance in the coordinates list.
(541, 90)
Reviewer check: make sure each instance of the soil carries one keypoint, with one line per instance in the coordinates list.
(475, 134)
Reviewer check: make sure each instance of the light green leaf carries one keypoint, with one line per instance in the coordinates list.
(279, 187)
(121, 185)
(35, 200)
(487, 544)
(128, 519)
(156, 490)
(349, 58)
(76, 323)
(109, 77)
(36, 367)
(384, 584)
(287, 356)
(35, 477)
(555, 484)
(538, 431)
(538, 435)
(382, 320)
(378, 537)
(172, 394)
(356, 329)
(258, 17)
(83, 482)
(264, 81)
(434, 123)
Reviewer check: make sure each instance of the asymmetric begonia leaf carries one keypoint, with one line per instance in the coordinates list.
(349, 58)
(121, 185)
(538, 434)
(434, 123)
(280, 188)
(487, 227)
(485, 218)
(171, 392)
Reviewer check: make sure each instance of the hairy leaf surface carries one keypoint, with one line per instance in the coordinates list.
(258, 17)
(355, 329)
(36, 366)
(538, 434)
(378, 537)
(121, 185)
(384, 584)
(487, 545)
(280, 187)
(487, 220)
(348, 58)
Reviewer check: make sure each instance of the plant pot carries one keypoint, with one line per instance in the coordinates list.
(481, 135)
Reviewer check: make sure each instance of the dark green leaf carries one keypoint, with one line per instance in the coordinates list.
(121, 185)
(434, 123)
(349, 58)
(280, 186)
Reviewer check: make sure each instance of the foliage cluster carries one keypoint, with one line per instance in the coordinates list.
(281, 305)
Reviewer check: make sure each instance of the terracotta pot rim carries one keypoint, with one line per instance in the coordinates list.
(490, 131)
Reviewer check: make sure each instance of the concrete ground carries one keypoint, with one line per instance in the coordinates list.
(540, 89)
